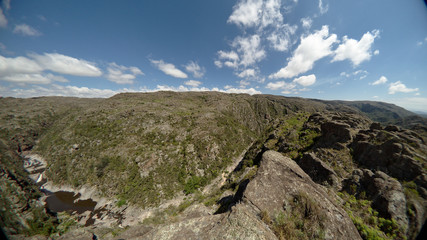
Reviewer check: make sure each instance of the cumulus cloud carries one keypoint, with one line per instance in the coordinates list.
(256, 13)
(169, 69)
(381, 80)
(400, 87)
(26, 30)
(291, 88)
(306, 22)
(306, 80)
(312, 48)
(121, 74)
(250, 49)
(246, 13)
(3, 19)
(192, 83)
(66, 65)
(356, 51)
(195, 69)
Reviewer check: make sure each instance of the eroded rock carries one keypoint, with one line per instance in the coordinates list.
(319, 171)
(280, 180)
(386, 193)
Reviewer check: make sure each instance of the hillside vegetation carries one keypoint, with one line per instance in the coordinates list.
(142, 149)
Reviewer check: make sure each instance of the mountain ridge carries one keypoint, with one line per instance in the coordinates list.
(144, 148)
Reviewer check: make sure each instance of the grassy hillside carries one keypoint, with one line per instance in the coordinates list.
(145, 148)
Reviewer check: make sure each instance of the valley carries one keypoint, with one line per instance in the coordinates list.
(210, 165)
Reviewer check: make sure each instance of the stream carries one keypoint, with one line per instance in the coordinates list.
(65, 199)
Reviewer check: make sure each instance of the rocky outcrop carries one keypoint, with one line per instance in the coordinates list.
(391, 152)
(280, 182)
(239, 223)
(319, 171)
(386, 193)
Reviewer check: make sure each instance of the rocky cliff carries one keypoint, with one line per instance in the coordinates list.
(212, 165)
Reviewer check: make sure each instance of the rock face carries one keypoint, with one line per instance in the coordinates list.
(280, 180)
(318, 170)
(386, 193)
(391, 152)
(240, 223)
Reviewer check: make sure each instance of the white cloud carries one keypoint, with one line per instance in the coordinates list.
(312, 48)
(195, 69)
(271, 13)
(323, 8)
(356, 51)
(58, 90)
(246, 13)
(26, 30)
(280, 39)
(250, 72)
(218, 63)
(66, 65)
(381, 80)
(276, 85)
(400, 87)
(250, 49)
(169, 69)
(18, 65)
(192, 83)
(250, 91)
(306, 22)
(3, 19)
(376, 52)
(32, 69)
(121, 74)
(27, 78)
(84, 92)
(256, 13)
(306, 80)
(232, 55)
(181, 88)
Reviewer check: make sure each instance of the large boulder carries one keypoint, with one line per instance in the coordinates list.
(319, 171)
(280, 184)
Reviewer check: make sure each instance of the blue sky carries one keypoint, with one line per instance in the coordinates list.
(325, 49)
